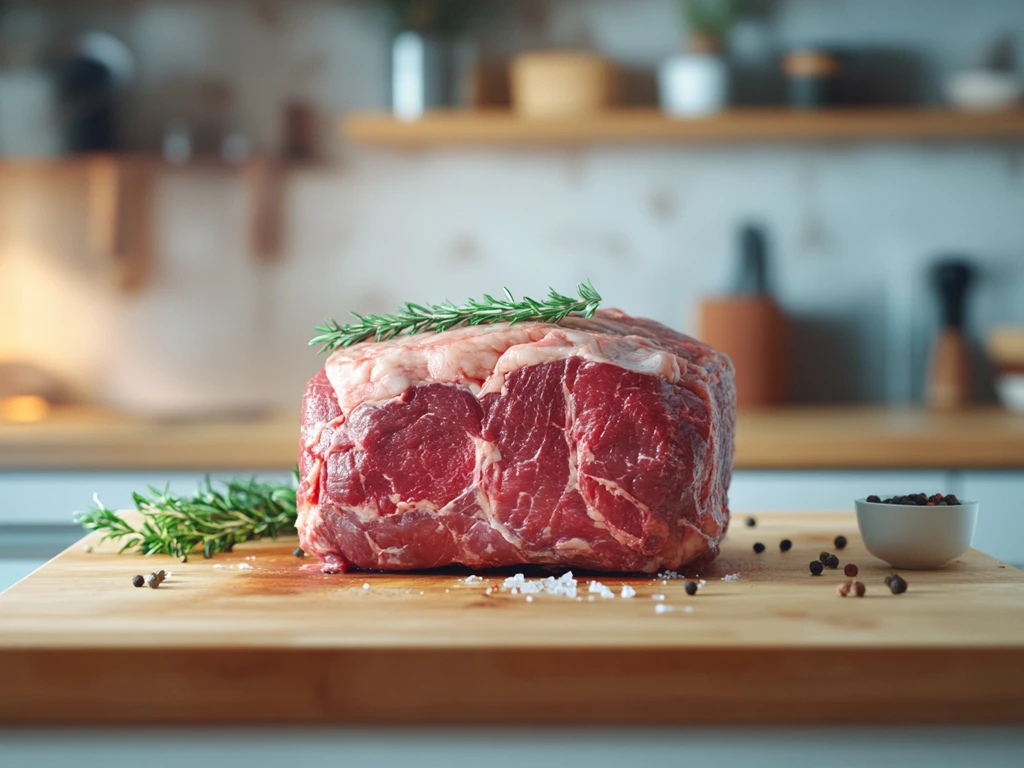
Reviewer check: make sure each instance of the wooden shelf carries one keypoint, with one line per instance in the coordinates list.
(652, 126)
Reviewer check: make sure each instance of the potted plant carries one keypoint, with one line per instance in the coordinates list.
(429, 66)
(697, 82)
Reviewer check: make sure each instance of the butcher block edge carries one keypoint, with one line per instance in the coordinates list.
(508, 686)
(278, 644)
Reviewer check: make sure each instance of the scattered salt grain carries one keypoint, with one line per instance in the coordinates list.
(244, 567)
(421, 591)
(628, 591)
(489, 590)
(564, 585)
(474, 579)
(447, 591)
(598, 588)
(251, 557)
(664, 582)
(218, 566)
(590, 598)
(731, 577)
(657, 597)
(529, 598)
(366, 585)
(662, 608)
(688, 608)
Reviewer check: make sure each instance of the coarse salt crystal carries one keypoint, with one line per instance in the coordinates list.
(218, 566)
(662, 608)
(628, 591)
(564, 585)
(688, 608)
(366, 585)
(731, 577)
(529, 598)
(657, 597)
(600, 589)
(664, 583)
(590, 598)
(244, 567)
(421, 591)
(488, 590)
(474, 579)
(447, 591)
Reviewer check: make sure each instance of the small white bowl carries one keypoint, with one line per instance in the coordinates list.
(1010, 387)
(979, 90)
(914, 537)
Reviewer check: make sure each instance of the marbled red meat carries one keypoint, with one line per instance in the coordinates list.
(603, 444)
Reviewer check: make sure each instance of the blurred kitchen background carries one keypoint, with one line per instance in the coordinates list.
(831, 191)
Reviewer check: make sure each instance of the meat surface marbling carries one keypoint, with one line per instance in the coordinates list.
(602, 443)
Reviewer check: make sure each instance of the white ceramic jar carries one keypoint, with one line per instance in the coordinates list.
(691, 85)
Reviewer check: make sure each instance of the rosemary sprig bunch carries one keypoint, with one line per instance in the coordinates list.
(212, 520)
(416, 318)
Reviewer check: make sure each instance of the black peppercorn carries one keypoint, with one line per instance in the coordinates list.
(897, 585)
(138, 581)
(850, 570)
(751, 522)
(840, 542)
(952, 500)
(816, 567)
(759, 547)
(833, 562)
(691, 588)
(889, 578)
(824, 556)
(298, 552)
(874, 499)
(785, 545)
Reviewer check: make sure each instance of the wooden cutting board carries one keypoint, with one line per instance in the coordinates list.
(252, 637)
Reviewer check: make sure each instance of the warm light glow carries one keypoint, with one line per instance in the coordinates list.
(24, 408)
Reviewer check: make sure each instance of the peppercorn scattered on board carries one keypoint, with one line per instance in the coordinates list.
(256, 636)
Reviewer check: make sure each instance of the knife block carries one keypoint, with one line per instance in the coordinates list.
(751, 330)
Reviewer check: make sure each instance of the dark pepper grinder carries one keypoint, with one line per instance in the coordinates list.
(949, 378)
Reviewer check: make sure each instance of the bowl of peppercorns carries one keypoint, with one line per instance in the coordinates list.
(917, 531)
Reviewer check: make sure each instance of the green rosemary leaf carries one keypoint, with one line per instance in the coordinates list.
(411, 318)
(210, 521)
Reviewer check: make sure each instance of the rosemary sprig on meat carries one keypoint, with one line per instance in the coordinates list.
(213, 520)
(416, 318)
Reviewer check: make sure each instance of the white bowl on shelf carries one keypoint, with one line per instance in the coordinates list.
(916, 538)
(1010, 388)
(979, 90)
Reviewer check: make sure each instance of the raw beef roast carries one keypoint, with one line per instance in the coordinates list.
(603, 444)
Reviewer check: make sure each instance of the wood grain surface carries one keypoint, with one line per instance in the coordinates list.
(783, 438)
(639, 126)
(276, 642)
